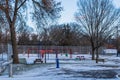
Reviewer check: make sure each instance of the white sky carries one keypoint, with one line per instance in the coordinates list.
(116, 3)
(70, 7)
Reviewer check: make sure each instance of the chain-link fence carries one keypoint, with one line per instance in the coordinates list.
(3, 52)
(61, 49)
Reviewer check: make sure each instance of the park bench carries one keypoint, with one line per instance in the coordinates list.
(38, 61)
(80, 57)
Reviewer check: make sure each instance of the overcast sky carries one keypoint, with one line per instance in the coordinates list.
(70, 7)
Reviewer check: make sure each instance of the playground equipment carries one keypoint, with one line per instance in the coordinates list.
(57, 63)
(33, 49)
(43, 52)
(80, 57)
(36, 51)
(69, 51)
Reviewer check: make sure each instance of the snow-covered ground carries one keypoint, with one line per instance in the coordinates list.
(51, 58)
(70, 68)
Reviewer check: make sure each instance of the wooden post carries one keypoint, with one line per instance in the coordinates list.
(9, 59)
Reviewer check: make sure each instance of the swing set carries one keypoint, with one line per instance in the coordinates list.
(63, 51)
(41, 53)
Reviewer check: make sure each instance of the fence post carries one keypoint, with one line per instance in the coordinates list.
(10, 53)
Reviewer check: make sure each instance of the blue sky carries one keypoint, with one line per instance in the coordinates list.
(70, 7)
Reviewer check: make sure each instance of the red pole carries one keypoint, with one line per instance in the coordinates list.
(42, 52)
(28, 53)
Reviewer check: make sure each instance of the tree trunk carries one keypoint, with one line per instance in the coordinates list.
(97, 55)
(93, 49)
(93, 54)
(14, 44)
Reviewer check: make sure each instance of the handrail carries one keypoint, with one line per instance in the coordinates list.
(6, 63)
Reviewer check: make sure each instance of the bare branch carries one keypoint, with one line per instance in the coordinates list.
(97, 19)
(2, 8)
(21, 4)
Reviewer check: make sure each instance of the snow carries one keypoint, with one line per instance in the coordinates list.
(69, 68)
(110, 51)
(51, 58)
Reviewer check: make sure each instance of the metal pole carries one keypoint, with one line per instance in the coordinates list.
(45, 53)
(10, 70)
(57, 60)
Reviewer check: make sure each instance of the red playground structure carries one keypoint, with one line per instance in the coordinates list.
(41, 52)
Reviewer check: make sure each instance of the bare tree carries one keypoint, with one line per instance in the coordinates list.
(65, 34)
(97, 19)
(24, 33)
(34, 38)
(10, 8)
(24, 38)
(46, 12)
